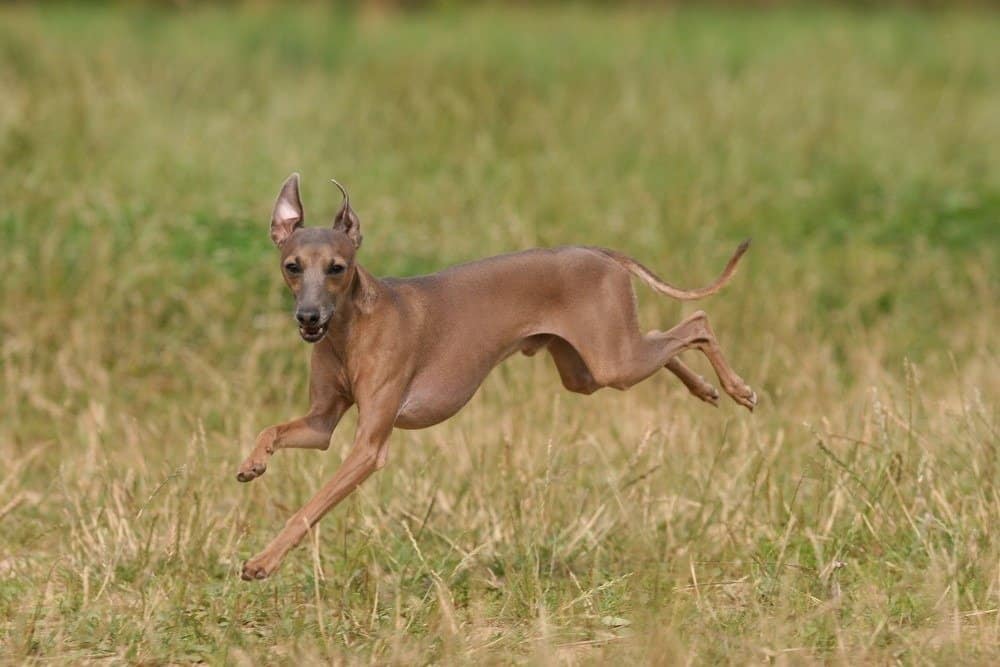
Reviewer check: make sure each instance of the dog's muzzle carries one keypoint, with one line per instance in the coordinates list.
(311, 328)
(313, 334)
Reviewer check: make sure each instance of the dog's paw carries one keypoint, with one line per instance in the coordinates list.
(260, 566)
(701, 388)
(709, 394)
(745, 396)
(251, 469)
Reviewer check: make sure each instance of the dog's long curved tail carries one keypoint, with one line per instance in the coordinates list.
(663, 287)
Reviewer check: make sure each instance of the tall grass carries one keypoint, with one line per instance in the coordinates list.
(146, 337)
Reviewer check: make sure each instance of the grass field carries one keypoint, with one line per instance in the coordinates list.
(147, 337)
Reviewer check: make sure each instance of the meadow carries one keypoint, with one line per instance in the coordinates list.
(146, 336)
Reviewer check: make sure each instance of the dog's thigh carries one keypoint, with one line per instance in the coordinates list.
(602, 327)
(572, 369)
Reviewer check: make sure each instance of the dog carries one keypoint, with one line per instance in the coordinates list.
(411, 352)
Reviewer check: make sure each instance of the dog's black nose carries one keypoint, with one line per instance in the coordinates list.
(307, 318)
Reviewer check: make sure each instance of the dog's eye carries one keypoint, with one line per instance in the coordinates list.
(293, 268)
(334, 269)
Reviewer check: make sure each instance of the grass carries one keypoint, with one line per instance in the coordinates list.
(146, 337)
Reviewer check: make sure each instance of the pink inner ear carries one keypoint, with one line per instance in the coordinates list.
(285, 212)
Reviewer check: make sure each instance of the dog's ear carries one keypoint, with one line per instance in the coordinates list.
(346, 219)
(287, 215)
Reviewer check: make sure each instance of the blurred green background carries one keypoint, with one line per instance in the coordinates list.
(146, 336)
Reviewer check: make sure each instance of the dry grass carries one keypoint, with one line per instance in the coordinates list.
(146, 336)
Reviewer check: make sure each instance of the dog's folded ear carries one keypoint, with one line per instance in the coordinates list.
(347, 220)
(287, 215)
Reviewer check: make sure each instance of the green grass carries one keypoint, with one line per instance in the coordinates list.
(145, 335)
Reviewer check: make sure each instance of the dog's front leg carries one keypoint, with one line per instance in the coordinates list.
(367, 455)
(310, 432)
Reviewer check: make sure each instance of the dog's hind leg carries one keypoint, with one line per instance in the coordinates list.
(695, 383)
(572, 369)
(635, 357)
(696, 332)
(577, 377)
(705, 340)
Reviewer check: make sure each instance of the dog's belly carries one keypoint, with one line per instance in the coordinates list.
(436, 395)
(425, 407)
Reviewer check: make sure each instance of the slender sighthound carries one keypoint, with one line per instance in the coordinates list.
(410, 352)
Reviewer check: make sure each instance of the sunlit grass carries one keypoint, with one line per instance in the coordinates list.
(146, 336)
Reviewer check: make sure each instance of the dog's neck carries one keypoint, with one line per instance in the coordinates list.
(364, 293)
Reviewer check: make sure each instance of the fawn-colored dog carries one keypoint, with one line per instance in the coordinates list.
(410, 352)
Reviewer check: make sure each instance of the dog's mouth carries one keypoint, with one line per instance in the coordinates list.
(313, 334)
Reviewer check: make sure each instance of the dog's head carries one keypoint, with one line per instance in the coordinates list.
(316, 262)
